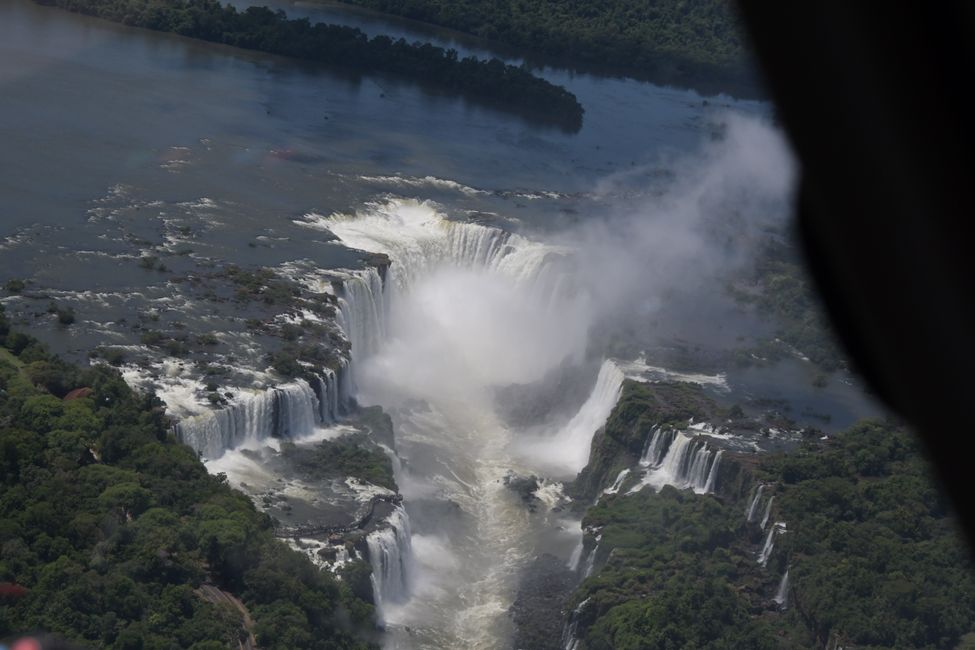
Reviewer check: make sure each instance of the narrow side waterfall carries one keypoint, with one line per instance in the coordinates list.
(678, 459)
(571, 627)
(752, 511)
(286, 411)
(390, 554)
(576, 557)
(768, 512)
(590, 564)
(618, 483)
(766, 551)
(713, 473)
(782, 595)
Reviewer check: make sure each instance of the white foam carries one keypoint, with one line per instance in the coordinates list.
(639, 369)
(426, 181)
(567, 451)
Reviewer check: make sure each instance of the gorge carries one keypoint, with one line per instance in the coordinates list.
(497, 384)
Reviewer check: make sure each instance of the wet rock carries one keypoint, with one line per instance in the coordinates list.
(328, 553)
(537, 610)
(524, 487)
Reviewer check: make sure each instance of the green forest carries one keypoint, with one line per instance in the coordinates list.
(113, 535)
(873, 553)
(785, 296)
(695, 42)
(258, 28)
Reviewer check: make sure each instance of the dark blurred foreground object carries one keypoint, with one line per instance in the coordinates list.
(876, 101)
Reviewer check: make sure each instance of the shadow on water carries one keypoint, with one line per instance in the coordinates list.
(707, 80)
(435, 70)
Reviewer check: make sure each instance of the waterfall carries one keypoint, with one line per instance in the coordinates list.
(419, 239)
(590, 564)
(569, 640)
(615, 487)
(345, 389)
(576, 557)
(782, 595)
(768, 511)
(326, 387)
(363, 310)
(702, 461)
(296, 410)
(573, 444)
(678, 459)
(285, 411)
(713, 474)
(767, 547)
(753, 507)
(390, 554)
(658, 442)
(766, 551)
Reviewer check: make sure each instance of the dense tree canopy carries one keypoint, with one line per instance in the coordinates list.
(874, 557)
(113, 535)
(680, 41)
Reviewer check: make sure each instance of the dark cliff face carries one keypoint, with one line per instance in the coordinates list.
(641, 407)
(527, 405)
(736, 478)
(537, 610)
(380, 261)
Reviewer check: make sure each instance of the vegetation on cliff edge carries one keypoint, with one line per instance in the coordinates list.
(873, 553)
(674, 41)
(113, 535)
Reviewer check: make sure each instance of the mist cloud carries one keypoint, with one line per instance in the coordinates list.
(698, 224)
(470, 310)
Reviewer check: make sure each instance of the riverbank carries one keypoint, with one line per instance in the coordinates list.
(258, 28)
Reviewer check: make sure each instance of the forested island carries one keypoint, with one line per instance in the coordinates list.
(697, 44)
(113, 534)
(846, 541)
(490, 82)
